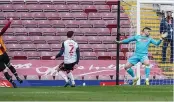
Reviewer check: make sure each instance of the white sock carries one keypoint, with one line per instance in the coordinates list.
(70, 75)
(63, 76)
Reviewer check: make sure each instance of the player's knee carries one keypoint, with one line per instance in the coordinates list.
(127, 66)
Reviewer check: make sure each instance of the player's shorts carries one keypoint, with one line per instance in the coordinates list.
(66, 67)
(4, 60)
(138, 58)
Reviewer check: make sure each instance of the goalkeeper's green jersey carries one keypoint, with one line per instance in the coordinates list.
(142, 43)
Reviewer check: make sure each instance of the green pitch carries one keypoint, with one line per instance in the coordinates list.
(92, 93)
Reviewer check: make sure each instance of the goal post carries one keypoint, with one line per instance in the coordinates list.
(138, 21)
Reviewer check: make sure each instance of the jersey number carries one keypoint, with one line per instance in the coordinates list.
(71, 50)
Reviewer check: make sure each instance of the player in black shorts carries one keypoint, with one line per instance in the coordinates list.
(71, 53)
(5, 60)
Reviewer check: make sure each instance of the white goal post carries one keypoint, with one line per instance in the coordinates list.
(139, 2)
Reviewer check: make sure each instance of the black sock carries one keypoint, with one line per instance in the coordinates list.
(13, 70)
(8, 77)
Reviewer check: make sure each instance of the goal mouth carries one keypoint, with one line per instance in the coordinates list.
(150, 13)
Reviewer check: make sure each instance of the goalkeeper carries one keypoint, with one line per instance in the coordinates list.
(141, 52)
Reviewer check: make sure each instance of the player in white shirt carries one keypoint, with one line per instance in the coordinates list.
(71, 53)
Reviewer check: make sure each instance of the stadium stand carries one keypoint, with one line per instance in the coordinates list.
(40, 26)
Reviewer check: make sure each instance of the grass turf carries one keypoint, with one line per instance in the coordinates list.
(90, 93)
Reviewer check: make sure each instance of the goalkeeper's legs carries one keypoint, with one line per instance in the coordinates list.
(129, 69)
(132, 61)
(131, 72)
(147, 71)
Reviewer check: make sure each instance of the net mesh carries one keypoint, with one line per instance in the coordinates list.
(161, 71)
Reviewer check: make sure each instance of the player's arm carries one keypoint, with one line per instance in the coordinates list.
(156, 42)
(126, 41)
(6, 27)
(78, 55)
(60, 53)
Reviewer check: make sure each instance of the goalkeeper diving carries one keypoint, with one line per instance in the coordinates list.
(141, 52)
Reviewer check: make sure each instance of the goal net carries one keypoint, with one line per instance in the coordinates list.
(150, 13)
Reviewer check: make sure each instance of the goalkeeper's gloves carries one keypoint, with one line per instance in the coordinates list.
(117, 42)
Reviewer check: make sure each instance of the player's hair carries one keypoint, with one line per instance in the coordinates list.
(70, 34)
(147, 28)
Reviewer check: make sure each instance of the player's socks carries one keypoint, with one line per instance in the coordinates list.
(131, 72)
(147, 82)
(13, 70)
(70, 75)
(147, 72)
(9, 78)
(63, 76)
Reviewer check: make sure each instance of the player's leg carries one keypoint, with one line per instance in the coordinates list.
(128, 67)
(7, 76)
(70, 67)
(164, 49)
(12, 69)
(62, 74)
(71, 77)
(145, 61)
(131, 62)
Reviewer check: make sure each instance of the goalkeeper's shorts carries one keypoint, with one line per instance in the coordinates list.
(138, 58)
(66, 67)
